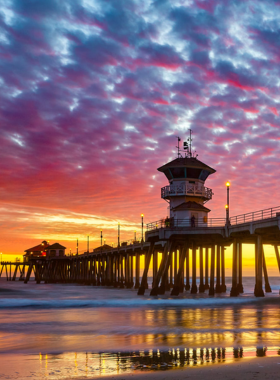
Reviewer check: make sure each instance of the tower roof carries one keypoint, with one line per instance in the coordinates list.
(186, 162)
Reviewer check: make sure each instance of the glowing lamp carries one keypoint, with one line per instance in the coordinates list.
(228, 184)
(142, 215)
(226, 206)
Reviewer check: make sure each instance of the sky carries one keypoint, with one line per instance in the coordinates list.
(94, 94)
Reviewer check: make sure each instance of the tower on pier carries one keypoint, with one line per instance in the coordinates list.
(186, 192)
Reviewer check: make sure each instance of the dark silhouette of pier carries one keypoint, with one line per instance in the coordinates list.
(120, 266)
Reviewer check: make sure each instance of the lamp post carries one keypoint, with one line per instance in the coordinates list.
(88, 243)
(134, 235)
(142, 217)
(77, 246)
(119, 228)
(227, 205)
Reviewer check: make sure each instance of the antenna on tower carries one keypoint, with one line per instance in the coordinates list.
(190, 141)
(178, 147)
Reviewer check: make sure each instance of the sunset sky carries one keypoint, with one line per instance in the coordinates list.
(94, 93)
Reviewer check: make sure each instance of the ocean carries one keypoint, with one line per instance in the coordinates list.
(54, 331)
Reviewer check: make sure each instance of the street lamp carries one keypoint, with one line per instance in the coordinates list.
(142, 217)
(119, 229)
(227, 205)
(101, 239)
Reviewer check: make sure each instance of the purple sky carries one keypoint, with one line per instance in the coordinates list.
(93, 94)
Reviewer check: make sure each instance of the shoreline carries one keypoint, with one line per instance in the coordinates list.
(251, 368)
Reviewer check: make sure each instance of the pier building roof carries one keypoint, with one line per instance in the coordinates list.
(38, 248)
(56, 246)
(104, 247)
(186, 162)
(186, 167)
(191, 206)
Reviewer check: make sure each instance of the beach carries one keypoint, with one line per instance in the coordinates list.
(54, 331)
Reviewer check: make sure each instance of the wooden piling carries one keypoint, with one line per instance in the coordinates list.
(187, 287)
(266, 281)
(201, 284)
(276, 253)
(240, 284)
(259, 267)
(194, 286)
(155, 265)
(142, 287)
(137, 270)
(218, 269)
(223, 271)
(163, 265)
(212, 272)
(178, 276)
(206, 285)
(234, 290)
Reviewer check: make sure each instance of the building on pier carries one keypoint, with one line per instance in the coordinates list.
(55, 250)
(37, 251)
(44, 250)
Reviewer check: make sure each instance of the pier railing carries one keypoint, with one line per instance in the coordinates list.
(256, 215)
(178, 223)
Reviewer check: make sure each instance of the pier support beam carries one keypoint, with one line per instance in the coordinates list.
(163, 266)
(171, 271)
(277, 256)
(137, 271)
(206, 285)
(212, 272)
(155, 266)
(240, 284)
(259, 265)
(194, 286)
(131, 272)
(234, 290)
(187, 269)
(142, 287)
(223, 286)
(122, 277)
(266, 281)
(201, 284)
(179, 275)
(218, 269)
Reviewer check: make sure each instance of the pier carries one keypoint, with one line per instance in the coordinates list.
(120, 266)
(187, 240)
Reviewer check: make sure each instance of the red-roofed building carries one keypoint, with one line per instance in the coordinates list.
(44, 250)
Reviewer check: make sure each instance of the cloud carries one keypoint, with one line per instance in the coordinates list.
(93, 95)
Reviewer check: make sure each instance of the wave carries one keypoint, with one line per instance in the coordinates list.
(135, 303)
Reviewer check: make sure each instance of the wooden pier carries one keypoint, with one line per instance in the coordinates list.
(120, 266)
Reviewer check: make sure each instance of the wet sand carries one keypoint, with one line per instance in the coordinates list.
(248, 369)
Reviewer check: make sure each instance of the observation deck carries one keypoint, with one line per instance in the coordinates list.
(195, 190)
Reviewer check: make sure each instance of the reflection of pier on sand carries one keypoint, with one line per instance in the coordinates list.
(98, 364)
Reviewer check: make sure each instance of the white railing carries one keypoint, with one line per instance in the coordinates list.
(197, 190)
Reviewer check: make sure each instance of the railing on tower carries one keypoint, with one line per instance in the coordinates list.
(190, 189)
(256, 215)
(178, 223)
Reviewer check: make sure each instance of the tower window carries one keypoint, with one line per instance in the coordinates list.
(178, 172)
(194, 173)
